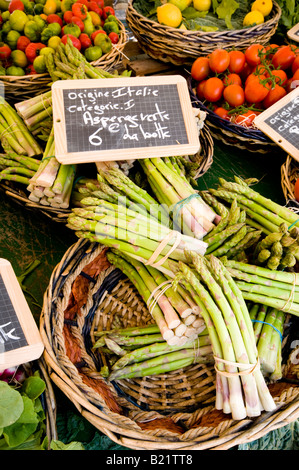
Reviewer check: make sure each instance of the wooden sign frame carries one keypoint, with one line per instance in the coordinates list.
(34, 348)
(279, 139)
(65, 157)
(294, 33)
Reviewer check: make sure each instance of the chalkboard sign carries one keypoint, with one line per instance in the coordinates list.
(281, 123)
(294, 33)
(122, 118)
(20, 340)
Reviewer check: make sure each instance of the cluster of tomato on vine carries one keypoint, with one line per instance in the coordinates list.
(237, 85)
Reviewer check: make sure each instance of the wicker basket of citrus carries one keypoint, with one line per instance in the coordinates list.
(177, 33)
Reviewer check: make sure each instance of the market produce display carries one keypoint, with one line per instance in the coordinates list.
(237, 85)
(31, 30)
(205, 15)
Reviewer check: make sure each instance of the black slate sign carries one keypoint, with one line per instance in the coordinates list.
(139, 116)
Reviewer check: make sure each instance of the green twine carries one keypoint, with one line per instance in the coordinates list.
(292, 225)
(180, 204)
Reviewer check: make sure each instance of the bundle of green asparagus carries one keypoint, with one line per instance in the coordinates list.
(273, 288)
(14, 135)
(37, 114)
(268, 327)
(142, 351)
(190, 214)
(278, 250)
(240, 386)
(17, 168)
(262, 213)
(232, 236)
(52, 183)
(175, 313)
(122, 215)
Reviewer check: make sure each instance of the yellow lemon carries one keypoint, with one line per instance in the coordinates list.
(202, 5)
(183, 27)
(253, 18)
(264, 6)
(169, 15)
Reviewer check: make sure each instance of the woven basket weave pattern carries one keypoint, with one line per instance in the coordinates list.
(139, 414)
(182, 47)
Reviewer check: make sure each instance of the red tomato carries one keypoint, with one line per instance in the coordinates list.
(113, 37)
(213, 89)
(199, 90)
(255, 91)
(5, 52)
(101, 3)
(80, 10)
(254, 53)
(78, 22)
(53, 18)
(246, 119)
(283, 58)
(296, 76)
(247, 70)
(107, 11)
(296, 189)
(30, 70)
(33, 50)
(75, 41)
(22, 43)
(274, 95)
(222, 112)
(280, 76)
(84, 2)
(85, 40)
(237, 61)
(219, 60)
(95, 33)
(295, 64)
(67, 16)
(16, 5)
(93, 6)
(234, 95)
(200, 69)
(232, 79)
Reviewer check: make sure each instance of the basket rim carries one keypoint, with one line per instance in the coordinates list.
(125, 430)
(211, 34)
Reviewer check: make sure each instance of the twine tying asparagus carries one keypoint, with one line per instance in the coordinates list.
(249, 368)
(289, 303)
(270, 324)
(152, 260)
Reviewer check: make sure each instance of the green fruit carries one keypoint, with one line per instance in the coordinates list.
(32, 31)
(111, 27)
(88, 25)
(4, 5)
(46, 50)
(19, 58)
(39, 64)
(15, 71)
(72, 29)
(93, 53)
(6, 27)
(12, 39)
(104, 42)
(40, 22)
(54, 42)
(5, 15)
(18, 20)
(38, 8)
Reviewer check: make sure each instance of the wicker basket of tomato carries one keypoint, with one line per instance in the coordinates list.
(30, 30)
(233, 87)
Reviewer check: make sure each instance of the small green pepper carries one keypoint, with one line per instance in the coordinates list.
(93, 53)
(31, 31)
(111, 27)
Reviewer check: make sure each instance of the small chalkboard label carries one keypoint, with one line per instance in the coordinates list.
(20, 340)
(280, 122)
(123, 118)
(294, 33)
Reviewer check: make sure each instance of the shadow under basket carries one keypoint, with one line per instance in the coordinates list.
(181, 47)
(173, 411)
(245, 138)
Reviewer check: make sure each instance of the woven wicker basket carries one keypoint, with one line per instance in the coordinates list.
(21, 88)
(289, 175)
(172, 411)
(182, 47)
(229, 133)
